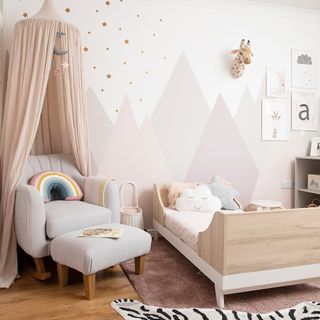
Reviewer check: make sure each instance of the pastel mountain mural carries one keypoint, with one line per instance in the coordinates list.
(180, 117)
(175, 125)
(251, 130)
(133, 154)
(100, 129)
(222, 151)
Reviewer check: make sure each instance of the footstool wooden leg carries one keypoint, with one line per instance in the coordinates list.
(63, 273)
(139, 264)
(89, 282)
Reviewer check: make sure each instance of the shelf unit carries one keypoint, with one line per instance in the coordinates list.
(303, 167)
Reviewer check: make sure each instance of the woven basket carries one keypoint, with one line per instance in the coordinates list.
(131, 216)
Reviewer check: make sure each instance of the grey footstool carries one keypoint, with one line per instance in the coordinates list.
(90, 255)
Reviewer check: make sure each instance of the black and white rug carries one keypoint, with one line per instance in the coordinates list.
(131, 309)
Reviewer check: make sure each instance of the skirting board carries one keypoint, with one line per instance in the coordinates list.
(243, 282)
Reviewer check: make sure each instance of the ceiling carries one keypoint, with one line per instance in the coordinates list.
(305, 4)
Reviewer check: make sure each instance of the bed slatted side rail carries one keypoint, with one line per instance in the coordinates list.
(256, 241)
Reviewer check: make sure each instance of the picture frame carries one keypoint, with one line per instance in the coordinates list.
(315, 147)
(276, 82)
(304, 111)
(274, 119)
(304, 69)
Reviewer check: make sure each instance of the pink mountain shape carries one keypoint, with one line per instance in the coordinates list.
(248, 120)
(222, 151)
(278, 165)
(135, 155)
(100, 129)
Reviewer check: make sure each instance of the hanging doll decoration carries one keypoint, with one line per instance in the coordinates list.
(243, 57)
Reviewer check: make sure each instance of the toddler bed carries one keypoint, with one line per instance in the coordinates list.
(243, 251)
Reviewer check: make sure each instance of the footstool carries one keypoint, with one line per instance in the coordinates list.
(90, 255)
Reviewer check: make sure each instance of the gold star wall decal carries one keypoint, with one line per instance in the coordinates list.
(85, 49)
(67, 10)
(104, 24)
(109, 76)
(126, 41)
(25, 15)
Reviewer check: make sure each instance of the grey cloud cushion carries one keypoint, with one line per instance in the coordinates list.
(90, 255)
(64, 216)
(224, 193)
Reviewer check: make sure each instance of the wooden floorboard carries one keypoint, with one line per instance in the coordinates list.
(32, 299)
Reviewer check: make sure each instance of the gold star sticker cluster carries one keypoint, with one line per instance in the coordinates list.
(125, 40)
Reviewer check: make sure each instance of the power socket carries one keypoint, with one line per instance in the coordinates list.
(286, 184)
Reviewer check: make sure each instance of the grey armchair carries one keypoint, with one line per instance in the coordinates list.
(37, 223)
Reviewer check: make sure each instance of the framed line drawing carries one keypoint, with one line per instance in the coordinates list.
(274, 119)
(315, 147)
(304, 111)
(276, 82)
(304, 69)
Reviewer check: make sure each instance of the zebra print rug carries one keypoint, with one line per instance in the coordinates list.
(131, 310)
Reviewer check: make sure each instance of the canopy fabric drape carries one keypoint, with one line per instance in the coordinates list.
(38, 82)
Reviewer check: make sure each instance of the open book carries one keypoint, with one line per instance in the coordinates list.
(114, 233)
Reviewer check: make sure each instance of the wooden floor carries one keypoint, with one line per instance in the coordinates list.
(33, 299)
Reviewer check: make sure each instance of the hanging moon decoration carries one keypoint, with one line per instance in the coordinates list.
(57, 51)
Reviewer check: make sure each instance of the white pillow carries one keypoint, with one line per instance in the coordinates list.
(198, 199)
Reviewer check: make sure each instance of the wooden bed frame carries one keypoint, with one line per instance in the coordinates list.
(251, 250)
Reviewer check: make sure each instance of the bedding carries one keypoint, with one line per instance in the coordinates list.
(186, 225)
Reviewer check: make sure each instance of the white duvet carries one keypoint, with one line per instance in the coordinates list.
(186, 225)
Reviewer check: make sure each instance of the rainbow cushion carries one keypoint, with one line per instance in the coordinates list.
(56, 186)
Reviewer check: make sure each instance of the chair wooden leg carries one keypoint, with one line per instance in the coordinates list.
(40, 272)
(89, 282)
(63, 273)
(139, 265)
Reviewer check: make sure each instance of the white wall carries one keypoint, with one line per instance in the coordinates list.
(166, 83)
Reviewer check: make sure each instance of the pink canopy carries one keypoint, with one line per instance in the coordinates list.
(45, 112)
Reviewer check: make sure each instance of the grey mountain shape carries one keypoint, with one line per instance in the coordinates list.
(180, 118)
(100, 129)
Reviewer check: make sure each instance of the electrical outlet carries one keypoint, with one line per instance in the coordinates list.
(286, 184)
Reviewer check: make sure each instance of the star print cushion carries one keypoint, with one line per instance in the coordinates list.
(198, 199)
(225, 193)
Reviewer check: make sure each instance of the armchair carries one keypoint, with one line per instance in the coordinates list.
(37, 223)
